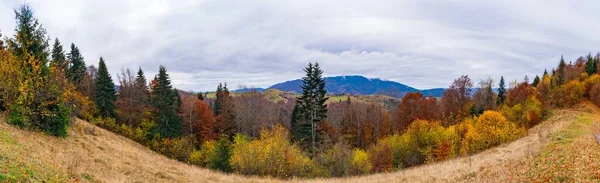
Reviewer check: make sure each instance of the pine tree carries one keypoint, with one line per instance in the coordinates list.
(545, 73)
(561, 71)
(526, 79)
(590, 65)
(30, 38)
(140, 85)
(310, 108)
(105, 91)
(164, 101)
(536, 81)
(77, 68)
(501, 92)
(58, 56)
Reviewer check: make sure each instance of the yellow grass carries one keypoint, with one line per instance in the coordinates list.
(93, 154)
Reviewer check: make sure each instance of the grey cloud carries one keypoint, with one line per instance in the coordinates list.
(425, 44)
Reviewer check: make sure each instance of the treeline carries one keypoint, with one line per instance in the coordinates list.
(44, 88)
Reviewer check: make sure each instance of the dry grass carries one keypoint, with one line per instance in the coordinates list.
(94, 154)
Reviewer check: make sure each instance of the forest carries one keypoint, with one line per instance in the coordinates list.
(45, 87)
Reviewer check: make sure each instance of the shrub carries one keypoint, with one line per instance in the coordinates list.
(180, 148)
(595, 93)
(527, 114)
(359, 164)
(271, 155)
(196, 158)
(575, 91)
(381, 157)
(219, 159)
(490, 129)
(336, 160)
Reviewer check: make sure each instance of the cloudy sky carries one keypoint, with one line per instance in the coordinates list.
(424, 44)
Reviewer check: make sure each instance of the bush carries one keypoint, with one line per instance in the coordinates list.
(271, 155)
(359, 164)
(527, 114)
(595, 93)
(56, 121)
(219, 159)
(381, 157)
(196, 158)
(179, 148)
(575, 91)
(336, 160)
(489, 130)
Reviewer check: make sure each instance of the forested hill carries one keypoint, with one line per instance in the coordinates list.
(358, 85)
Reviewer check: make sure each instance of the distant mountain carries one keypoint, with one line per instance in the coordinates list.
(243, 90)
(359, 85)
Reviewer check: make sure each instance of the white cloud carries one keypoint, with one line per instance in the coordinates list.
(424, 44)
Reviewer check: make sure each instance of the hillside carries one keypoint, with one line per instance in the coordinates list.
(92, 154)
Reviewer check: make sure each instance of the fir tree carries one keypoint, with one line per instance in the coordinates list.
(140, 85)
(30, 38)
(77, 68)
(545, 73)
(58, 56)
(310, 108)
(561, 71)
(590, 65)
(164, 100)
(105, 91)
(501, 91)
(536, 81)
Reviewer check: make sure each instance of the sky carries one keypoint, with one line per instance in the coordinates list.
(421, 43)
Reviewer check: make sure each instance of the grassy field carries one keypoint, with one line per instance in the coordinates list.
(561, 148)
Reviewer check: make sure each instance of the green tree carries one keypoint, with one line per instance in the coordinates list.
(310, 107)
(77, 68)
(536, 81)
(105, 91)
(590, 65)
(561, 72)
(58, 56)
(220, 159)
(164, 101)
(545, 73)
(40, 104)
(501, 92)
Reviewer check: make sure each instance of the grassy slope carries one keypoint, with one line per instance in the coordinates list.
(560, 149)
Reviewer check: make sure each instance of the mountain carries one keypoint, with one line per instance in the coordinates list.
(358, 85)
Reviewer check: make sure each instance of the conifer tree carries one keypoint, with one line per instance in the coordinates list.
(225, 115)
(310, 108)
(590, 65)
(39, 104)
(501, 92)
(545, 73)
(105, 91)
(77, 68)
(140, 85)
(58, 56)
(536, 81)
(561, 71)
(164, 101)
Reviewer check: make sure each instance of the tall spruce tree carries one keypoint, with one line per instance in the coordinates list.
(545, 73)
(225, 115)
(140, 85)
(105, 91)
(39, 104)
(58, 56)
(536, 81)
(310, 108)
(164, 100)
(501, 92)
(77, 68)
(561, 71)
(590, 65)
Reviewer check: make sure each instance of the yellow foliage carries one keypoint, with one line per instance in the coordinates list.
(360, 162)
(526, 114)
(575, 91)
(271, 155)
(489, 130)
